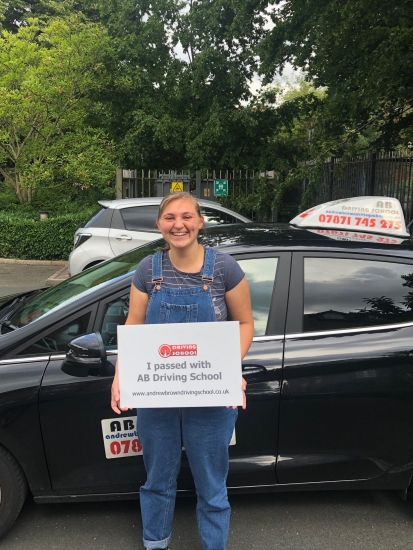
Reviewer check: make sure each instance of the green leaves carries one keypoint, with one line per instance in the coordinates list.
(181, 81)
(47, 75)
(361, 53)
(50, 239)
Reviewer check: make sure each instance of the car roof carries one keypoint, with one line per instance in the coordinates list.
(157, 200)
(237, 238)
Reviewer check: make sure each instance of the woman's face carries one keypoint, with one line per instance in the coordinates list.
(180, 222)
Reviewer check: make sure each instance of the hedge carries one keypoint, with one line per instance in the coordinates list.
(28, 239)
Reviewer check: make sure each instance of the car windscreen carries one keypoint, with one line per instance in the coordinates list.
(81, 285)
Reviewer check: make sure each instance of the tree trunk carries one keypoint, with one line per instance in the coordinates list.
(23, 194)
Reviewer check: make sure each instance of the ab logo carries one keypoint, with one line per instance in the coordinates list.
(116, 426)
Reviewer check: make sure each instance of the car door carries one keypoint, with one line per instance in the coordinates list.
(252, 458)
(133, 226)
(71, 412)
(346, 409)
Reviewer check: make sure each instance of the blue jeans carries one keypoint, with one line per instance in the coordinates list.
(205, 434)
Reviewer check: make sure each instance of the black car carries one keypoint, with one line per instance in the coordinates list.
(330, 373)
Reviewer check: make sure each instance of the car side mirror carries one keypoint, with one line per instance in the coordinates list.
(86, 356)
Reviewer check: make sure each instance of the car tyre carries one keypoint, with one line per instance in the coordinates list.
(13, 490)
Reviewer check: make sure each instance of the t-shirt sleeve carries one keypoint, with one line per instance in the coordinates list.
(140, 277)
(233, 272)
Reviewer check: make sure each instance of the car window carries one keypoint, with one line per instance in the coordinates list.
(95, 217)
(215, 217)
(80, 286)
(260, 273)
(115, 314)
(56, 340)
(346, 293)
(140, 218)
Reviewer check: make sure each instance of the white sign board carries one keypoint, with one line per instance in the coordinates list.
(382, 215)
(180, 365)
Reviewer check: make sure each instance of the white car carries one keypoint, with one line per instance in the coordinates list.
(123, 224)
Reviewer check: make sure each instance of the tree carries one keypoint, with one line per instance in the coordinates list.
(16, 13)
(190, 110)
(361, 52)
(46, 76)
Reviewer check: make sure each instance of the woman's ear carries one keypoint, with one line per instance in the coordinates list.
(201, 225)
(157, 224)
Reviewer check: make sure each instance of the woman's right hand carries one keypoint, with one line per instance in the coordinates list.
(115, 397)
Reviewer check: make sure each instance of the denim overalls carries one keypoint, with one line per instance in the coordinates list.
(205, 432)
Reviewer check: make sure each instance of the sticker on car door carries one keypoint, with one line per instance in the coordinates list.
(120, 437)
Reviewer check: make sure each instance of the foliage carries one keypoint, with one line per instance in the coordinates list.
(46, 75)
(14, 14)
(189, 110)
(361, 53)
(51, 239)
(169, 82)
(53, 201)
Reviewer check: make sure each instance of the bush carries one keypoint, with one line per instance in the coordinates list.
(29, 239)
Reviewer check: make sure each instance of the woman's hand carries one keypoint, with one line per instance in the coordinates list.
(244, 396)
(115, 397)
(138, 302)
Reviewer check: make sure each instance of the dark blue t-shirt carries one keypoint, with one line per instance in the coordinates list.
(227, 275)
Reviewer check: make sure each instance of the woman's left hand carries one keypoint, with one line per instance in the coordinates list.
(244, 395)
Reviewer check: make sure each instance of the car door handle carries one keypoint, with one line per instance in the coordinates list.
(253, 372)
(123, 238)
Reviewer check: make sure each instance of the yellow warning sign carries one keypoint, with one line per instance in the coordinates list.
(206, 192)
(177, 187)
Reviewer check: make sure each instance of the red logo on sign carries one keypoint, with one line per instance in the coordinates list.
(166, 350)
(307, 212)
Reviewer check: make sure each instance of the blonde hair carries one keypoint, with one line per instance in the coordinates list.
(173, 197)
(176, 196)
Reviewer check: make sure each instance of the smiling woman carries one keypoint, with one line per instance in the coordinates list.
(186, 283)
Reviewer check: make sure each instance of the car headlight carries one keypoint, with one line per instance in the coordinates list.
(81, 238)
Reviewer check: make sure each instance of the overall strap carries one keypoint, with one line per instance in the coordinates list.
(157, 268)
(209, 263)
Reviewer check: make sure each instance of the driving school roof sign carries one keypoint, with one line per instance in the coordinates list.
(382, 215)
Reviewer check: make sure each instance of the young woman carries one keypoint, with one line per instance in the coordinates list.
(164, 285)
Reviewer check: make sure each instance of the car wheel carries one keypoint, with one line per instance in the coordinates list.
(13, 490)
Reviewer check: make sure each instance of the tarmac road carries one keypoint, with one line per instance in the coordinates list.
(336, 520)
(18, 278)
